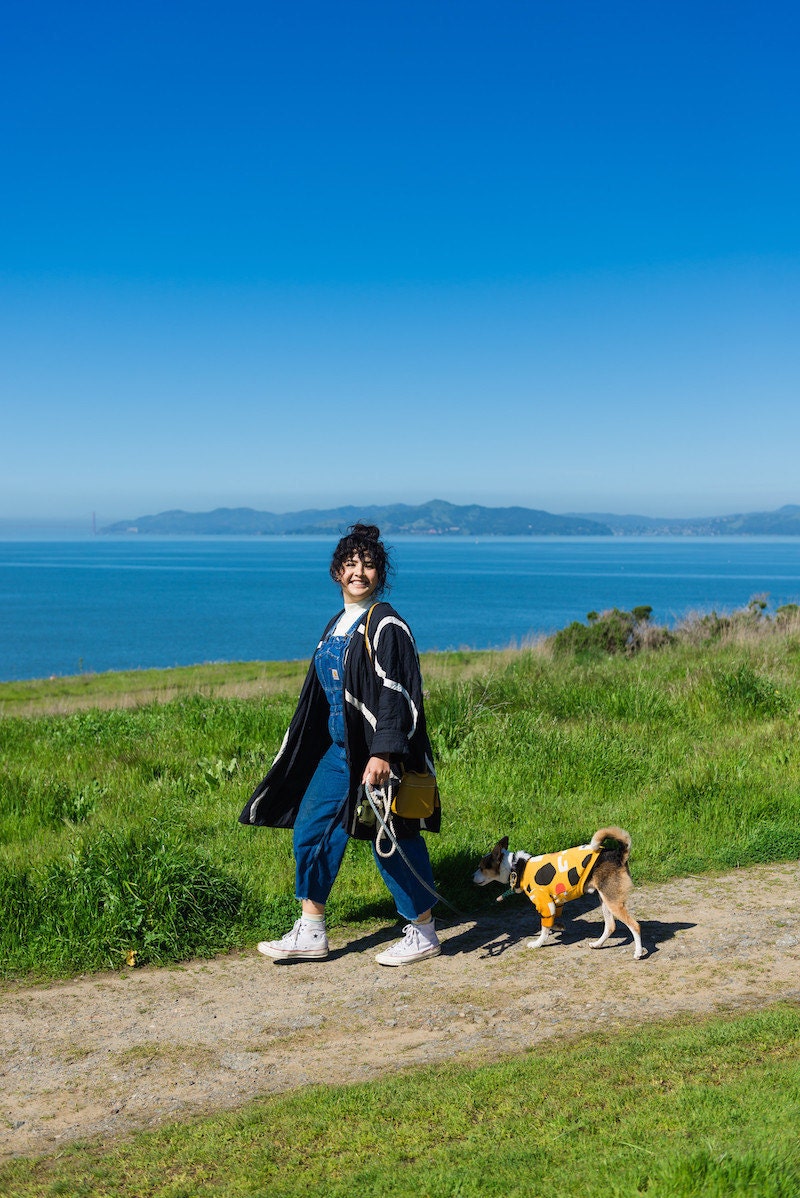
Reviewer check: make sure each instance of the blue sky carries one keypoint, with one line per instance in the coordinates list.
(298, 254)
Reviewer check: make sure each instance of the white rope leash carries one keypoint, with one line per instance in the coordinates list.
(384, 818)
(380, 800)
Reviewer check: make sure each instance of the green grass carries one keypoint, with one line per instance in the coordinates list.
(664, 1111)
(693, 748)
(61, 695)
(118, 835)
(134, 687)
(119, 895)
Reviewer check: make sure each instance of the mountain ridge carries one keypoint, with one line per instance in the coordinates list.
(784, 521)
(440, 518)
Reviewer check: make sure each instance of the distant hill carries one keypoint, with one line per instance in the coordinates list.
(785, 522)
(427, 519)
(439, 518)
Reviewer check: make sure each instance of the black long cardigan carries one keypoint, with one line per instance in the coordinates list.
(384, 717)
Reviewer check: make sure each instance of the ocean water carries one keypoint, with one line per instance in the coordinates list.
(109, 604)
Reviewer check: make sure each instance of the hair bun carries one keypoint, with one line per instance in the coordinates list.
(370, 532)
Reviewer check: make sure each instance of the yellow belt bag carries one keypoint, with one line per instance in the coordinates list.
(417, 796)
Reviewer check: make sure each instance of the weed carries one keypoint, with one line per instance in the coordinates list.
(745, 691)
(74, 806)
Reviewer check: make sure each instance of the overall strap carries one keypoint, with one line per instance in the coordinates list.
(366, 632)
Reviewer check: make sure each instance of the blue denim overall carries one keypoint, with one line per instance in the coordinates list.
(319, 837)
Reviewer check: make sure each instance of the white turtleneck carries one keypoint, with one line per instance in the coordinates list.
(352, 612)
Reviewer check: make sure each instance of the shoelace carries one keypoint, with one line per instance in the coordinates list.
(291, 938)
(412, 938)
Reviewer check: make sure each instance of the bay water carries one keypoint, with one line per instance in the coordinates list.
(105, 603)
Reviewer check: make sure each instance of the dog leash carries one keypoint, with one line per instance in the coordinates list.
(386, 827)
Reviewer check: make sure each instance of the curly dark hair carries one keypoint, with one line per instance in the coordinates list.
(364, 541)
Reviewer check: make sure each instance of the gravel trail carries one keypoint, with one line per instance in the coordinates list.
(107, 1054)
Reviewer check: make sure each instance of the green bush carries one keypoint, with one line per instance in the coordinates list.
(614, 631)
(630, 632)
(611, 632)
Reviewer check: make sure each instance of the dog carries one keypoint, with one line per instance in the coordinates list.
(554, 879)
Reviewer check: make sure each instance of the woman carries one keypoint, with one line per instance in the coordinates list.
(359, 719)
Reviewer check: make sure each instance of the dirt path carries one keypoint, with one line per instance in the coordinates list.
(109, 1054)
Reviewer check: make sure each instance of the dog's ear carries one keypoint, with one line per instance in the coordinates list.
(496, 855)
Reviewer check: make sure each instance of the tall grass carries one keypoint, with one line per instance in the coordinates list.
(103, 812)
(132, 898)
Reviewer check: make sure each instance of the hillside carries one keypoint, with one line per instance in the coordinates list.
(439, 518)
(785, 522)
(427, 519)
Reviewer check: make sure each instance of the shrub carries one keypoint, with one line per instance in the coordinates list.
(702, 629)
(608, 633)
(748, 624)
(613, 631)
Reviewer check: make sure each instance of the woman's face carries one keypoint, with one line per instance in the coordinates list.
(358, 578)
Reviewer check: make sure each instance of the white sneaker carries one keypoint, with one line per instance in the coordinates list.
(419, 941)
(305, 942)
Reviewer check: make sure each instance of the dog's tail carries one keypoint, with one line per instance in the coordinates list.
(619, 834)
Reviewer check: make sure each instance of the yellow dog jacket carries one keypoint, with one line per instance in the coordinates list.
(554, 879)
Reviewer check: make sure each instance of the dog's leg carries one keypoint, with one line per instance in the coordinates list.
(541, 939)
(609, 925)
(633, 927)
(617, 908)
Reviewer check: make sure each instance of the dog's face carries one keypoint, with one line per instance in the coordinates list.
(494, 867)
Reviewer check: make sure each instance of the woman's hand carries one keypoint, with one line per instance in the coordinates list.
(376, 772)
